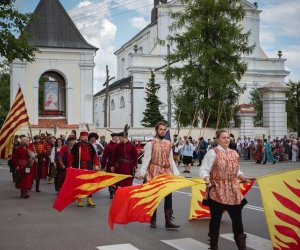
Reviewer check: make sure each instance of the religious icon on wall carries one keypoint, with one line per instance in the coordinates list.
(51, 96)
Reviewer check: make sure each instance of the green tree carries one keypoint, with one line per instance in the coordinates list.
(210, 44)
(14, 38)
(4, 96)
(293, 106)
(152, 113)
(256, 100)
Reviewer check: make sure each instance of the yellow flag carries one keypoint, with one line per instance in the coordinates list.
(280, 194)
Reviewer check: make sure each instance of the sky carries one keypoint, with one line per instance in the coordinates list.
(108, 24)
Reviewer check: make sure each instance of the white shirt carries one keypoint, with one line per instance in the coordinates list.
(147, 158)
(52, 155)
(208, 161)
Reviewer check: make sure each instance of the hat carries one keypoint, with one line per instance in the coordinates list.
(122, 134)
(84, 133)
(201, 138)
(114, 134)
(71, 138)
(36, 137)
(93, 135)
(190, 138)
(175, 135)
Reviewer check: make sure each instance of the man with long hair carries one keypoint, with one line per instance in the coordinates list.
(158, 159)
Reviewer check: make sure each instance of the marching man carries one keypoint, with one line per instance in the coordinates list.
(84, 156)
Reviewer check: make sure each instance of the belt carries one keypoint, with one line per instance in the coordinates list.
(229, 178)
(124, 160)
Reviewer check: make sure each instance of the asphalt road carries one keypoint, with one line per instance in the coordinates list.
(34, 224)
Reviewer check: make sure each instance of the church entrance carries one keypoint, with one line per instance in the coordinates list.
(52, 95)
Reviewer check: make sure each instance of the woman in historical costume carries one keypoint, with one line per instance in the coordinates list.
(220, 169)
(22, 159)
(56, 162)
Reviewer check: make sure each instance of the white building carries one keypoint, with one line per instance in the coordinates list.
(65, 62)
(144, 52)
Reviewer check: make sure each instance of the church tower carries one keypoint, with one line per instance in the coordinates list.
(58, 85)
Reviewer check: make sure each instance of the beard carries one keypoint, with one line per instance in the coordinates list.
(161, 137)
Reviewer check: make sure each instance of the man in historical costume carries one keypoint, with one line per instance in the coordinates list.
(84, 156)
(49, 145)
(158, 159)
(125, 158)
(108, 161)
(40, 167)
(22, 159)
(12, 168)
(63, 160)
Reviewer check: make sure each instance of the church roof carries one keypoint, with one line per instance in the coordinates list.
(115, 85)
(53, 27)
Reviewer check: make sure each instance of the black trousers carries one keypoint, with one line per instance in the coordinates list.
(235, 213)
(168, 202)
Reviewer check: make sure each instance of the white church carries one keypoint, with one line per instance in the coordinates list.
(143, 53)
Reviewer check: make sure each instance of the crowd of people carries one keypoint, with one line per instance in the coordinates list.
(190, 151)
(45, 157)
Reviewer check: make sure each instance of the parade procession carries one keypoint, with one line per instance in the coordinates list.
(149, 125)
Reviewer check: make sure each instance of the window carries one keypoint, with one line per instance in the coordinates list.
(112, 104)
(122, 102)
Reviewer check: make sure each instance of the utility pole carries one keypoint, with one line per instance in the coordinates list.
(131, 100)
(106, 84)
(169, 88)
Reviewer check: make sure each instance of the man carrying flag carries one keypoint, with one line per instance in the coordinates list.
(83, 156)
(158, 159)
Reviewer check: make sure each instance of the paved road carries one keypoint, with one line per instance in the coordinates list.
(34, 224)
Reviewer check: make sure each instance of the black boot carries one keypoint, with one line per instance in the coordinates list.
(168, 216)
(240, 241)
(111, 192)
(37, 185)
(153, 220)
(213, 241)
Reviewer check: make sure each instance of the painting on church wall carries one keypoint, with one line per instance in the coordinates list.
(51, 96)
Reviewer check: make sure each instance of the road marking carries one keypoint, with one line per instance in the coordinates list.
(118, 247)
(255, 208)
(186, 244)
(188, 194)
(252, 241)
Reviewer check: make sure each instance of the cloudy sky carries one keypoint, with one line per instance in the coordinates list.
(107, 24)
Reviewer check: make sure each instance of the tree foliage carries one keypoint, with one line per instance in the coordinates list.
(4, 96)
(293, 106)
(210, 44)
(152, 114)
(256, 100)
(12, 24)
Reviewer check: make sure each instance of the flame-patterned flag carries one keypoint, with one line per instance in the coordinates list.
(280, 194)
(138, 203)
(80, 183)
(197, 210)
(17, 117)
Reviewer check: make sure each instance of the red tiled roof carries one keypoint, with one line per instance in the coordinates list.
(50, 123)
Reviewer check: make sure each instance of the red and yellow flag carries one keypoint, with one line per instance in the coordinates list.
(138, 203)
(280, 194)
(80, 183)
(197, 210)
(17, 117)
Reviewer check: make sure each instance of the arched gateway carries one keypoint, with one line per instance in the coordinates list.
(58, 85)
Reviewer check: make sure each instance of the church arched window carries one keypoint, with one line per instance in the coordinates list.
(112, 104)
(122, 102)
